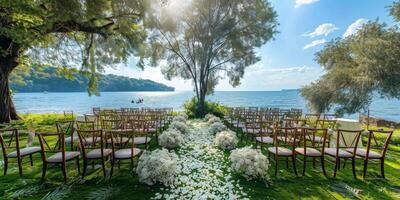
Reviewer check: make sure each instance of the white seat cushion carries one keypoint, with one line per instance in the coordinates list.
(281, 151)
(309, 151)
(126, 153)
(265, 139)
(57, 158)
(141, 140)
(363, 152)
(252, 130)
(24, 151)
(119, 140)
(96, 153)
(342, 153)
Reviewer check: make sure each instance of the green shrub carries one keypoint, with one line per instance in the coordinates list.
(39, 122)
(192, 110)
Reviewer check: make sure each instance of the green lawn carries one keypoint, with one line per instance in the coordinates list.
(125, 185)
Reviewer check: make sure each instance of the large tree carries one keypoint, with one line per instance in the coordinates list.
(206, 40)
(357, 68)
(84, 34)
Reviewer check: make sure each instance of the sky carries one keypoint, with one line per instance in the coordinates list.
(287, 62)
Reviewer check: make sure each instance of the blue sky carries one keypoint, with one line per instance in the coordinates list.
(288, 61)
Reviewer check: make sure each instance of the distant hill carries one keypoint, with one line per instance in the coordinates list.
(48, 80)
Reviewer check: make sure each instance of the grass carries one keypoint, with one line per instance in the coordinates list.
(125, 185)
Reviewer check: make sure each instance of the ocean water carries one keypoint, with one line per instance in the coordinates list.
(81, 103)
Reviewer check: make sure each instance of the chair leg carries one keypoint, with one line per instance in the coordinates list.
(64, 171)
(304, 165)
(353, 167)
(84, 168)
(20, 166)
(77, 165)
(323, 166)
(276, 165)
(103, 166)
(313, 162)
(287, 162)
(112, 167)
(336, 167)
(365, 168)
(294, 164)
(31, 160)
(44, 172)
(5, 165)
(383, 168)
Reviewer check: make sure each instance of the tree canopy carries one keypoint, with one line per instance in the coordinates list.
(84, 34)
(206, 40)
(358, 68)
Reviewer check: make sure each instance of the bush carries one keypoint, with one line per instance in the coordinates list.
(179, 118)
(192, 110)
(226, 140)
(180, 126)
(216, 127)
(157, 166)
(250, 163)
(170, 139)
(184, 115)
(214, 120)
(208, 117)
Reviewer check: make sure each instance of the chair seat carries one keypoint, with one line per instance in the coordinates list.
(252, 130)
(342, 153)
(363, 152)
(126, 153)
(282, 151)
(119, 140)
(318, 139)
(75, 138)
(57, 158)
(265, 139)
(309, 152)
(24, 151)
(141, 140)
(96, 153)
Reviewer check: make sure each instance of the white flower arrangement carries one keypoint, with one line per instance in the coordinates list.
(170, 138)
(157, 166)
(214, 119)
(180, 126)
(216, 127)
(250, 163)
(179, 118)
(226, 140)
(208, 117)
(182, 114)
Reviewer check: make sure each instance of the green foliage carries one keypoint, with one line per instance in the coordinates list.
(53, 80)
(192, 109)
(39, 122)
(357, 68)
(103, 193)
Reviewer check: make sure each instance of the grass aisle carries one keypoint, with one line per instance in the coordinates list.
(204, 169)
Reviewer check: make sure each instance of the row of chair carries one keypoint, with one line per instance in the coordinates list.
(110, 141)
(288, 137)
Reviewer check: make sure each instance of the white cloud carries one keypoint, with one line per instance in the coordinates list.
(304, 2)
(354, 27)
(314, 43)
(323, 29)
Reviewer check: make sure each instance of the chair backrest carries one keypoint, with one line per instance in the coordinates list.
(348, 142)
(69, 115)
(91, 139)
(110, 124)
(67, 127)
(47, 144)
(325, 123)
(314, 138)
(294, 123)
(9, 138)
(382, 146)
(85, 125)
(287, 136)
(117, 140)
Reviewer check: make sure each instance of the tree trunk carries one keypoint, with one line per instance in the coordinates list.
(7, 108)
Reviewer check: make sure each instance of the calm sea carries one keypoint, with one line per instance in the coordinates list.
(81, 103)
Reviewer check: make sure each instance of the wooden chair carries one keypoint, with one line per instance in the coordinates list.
(372, 150)
(68, 128)
(122, 151)
(93, 150)
(266, 134)
(59, 155)
(311, 148)
(281, 148)
(142, 134)
(14, 143)
(344, 149)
